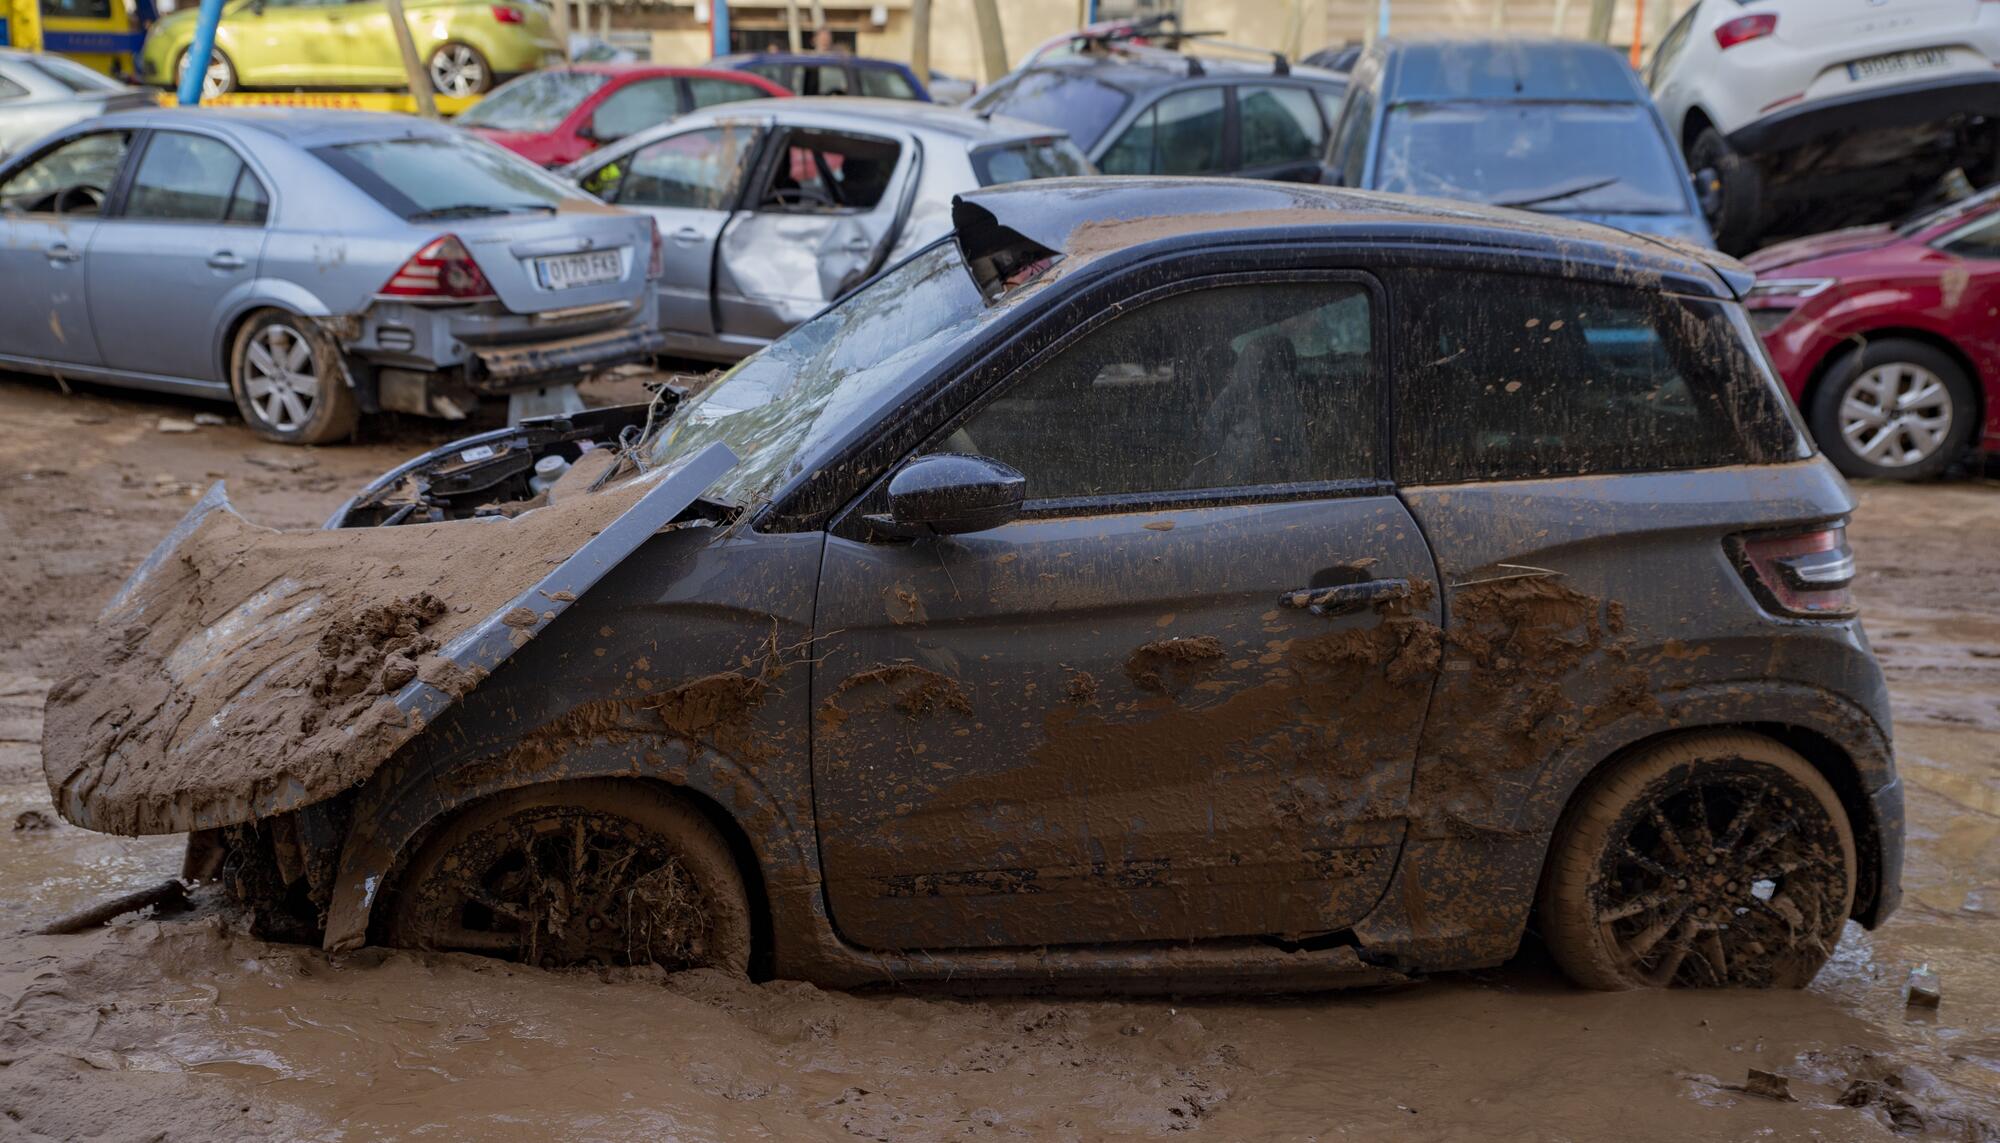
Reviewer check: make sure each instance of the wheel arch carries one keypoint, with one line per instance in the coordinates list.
(1692, 125)
(1855, 342)
(257, 297)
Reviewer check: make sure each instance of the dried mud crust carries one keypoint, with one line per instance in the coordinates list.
(910, 689)
(253, 670)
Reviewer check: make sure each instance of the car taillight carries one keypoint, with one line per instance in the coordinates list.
(1803, 575)
(1743, 28)
(656, 263)
(443, 269)
(505, 15)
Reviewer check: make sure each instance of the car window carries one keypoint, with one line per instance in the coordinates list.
(1226, 387)
(1076, 104)
(538, 101)
(699, 170)
(1670, 47)
(445, 176)
(76, 9)
(885, 83)
(1979, 238)
(10, 90)
(74, 178)
(1350, 145)
(823, 79)
(1028, 159)
(250, 204)
(73, 75)
(823, 171)
(1505, 377)
(1181, 134)
(1554, 157)
(709, 92)
(784, 75)
(184, 178)
(635, 107)
(1329, 104)
(1278, 125)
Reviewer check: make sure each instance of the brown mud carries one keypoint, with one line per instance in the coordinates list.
(185, 1028)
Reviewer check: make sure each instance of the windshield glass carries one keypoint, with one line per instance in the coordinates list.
(1555, 157)
(1083, 107)
(778, 408)
(1932, 215)
(73, 75)
(1029, 159)
(538, 101)
(440, 176)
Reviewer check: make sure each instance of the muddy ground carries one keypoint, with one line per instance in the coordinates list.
(185, 1028)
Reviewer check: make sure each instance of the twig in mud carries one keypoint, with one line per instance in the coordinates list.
(164, 894)
(1522, 571)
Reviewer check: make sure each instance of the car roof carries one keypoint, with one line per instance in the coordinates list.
(629, 68)
(299, 126)
(860, 111)
(1148, 68)
(1090, 218)
(740, 59)
(1507, 71)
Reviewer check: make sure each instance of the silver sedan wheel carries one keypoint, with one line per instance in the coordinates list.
(281, 377)
(457, 70)
(1896, 415)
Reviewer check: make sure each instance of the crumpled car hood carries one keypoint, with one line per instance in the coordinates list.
(243, 672)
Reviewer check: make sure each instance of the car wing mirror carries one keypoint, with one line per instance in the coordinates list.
(948, 494)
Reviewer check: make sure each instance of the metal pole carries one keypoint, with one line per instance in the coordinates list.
(413, 68)
(1560, 25)
(199, 52)
(718, 24)
(792, 36)
(1382, 21)
(1638, 32)
(559, 16)
(920, 39)
(1600, 21)
(992, 42)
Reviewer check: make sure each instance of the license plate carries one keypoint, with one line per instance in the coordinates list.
(1896, 63)
(568, 271)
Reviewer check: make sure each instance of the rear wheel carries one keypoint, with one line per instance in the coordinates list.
(220, 79)
(1895, 410)
(585, 873)
(287, 381)
(1731, 189)
(1718, 860)
(459, 69)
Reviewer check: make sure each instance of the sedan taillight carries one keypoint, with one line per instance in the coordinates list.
(1745, 28)
(442, 271)
(1802, 575)
(506, 15)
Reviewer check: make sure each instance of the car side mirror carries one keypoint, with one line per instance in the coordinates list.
(948, 494)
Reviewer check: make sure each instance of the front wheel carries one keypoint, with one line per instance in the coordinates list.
(1731, 190)
(593, 872)
(459, 69)
(1718, 860)
(220, 79)
(1895, 410)
(288, 384)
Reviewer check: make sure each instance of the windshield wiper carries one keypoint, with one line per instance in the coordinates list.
(481, 209)
(1557, 196)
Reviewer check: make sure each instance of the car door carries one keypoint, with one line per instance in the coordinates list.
(690, 182)
(50, 210)
(187, 236)
(1180, 696)
(824, 208)
(1279, 133)
(363, 43)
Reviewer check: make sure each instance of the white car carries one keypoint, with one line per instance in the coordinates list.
(1846, 110)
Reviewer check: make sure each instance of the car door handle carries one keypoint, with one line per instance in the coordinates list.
(1341, 599)
(224, 260)
(687, 236)
(62, 252)
(859, 246)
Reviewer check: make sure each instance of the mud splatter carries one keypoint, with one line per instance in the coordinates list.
(911, 689)
(1082, 688)
(1167, 665)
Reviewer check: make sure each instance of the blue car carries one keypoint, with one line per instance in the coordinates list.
(832, 73)
(1560, 127)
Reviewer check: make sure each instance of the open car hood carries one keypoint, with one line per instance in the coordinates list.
(243, 672)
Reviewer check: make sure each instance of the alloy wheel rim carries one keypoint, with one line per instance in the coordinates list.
(281, 377)
(215, 80)
(1728, 880)
(1896, 415)
(455, 70)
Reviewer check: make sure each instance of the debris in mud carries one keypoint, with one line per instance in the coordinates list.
(1887, 1095)
(165, 895)
(1922, 989)
(1166, 665)
(903, 605)
(1768, 1085)
(33, 820)
(374, 650)
(174, 425)
(1082, 688)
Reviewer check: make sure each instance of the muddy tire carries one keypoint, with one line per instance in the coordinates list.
(288, 383)
(1721, 859)
(1894, 410)
(1731, 190)
(595, 872)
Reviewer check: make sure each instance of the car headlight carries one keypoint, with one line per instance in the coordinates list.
(1789, 291)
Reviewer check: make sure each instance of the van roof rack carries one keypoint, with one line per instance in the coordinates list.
(1171, 37)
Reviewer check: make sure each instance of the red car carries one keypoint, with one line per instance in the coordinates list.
(561, 114)
(1889, 337)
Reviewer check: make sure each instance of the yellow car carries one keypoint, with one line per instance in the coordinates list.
(466, 47)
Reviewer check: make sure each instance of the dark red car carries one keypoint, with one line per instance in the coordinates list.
(560, 114)
(1888, 337)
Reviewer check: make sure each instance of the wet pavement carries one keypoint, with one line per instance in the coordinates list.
(184, 1027)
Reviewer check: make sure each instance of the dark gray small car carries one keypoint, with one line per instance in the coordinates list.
(1163, 584)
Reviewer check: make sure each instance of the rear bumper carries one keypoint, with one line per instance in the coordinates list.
(1882, 108)
(556, 362)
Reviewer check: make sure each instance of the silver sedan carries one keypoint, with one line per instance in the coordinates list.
(315, 266)
(41, 93)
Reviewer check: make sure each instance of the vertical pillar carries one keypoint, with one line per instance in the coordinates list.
(199, 52)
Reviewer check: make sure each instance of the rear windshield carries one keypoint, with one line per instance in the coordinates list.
(1078, 105)
(1029, 159)
(1554, 157)
(538, 101)
(447, 176)
(73, 75)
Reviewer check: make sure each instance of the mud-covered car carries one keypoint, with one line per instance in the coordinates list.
(1163, 584)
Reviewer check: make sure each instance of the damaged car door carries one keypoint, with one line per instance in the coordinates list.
(823, 211)
(1180, 695)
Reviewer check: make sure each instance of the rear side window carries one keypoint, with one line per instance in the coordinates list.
(1508, 377)
(1028, 159)
(192, 178)
(1236, 386)
(1279, 125)
(1179, 135)
(10, 90)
